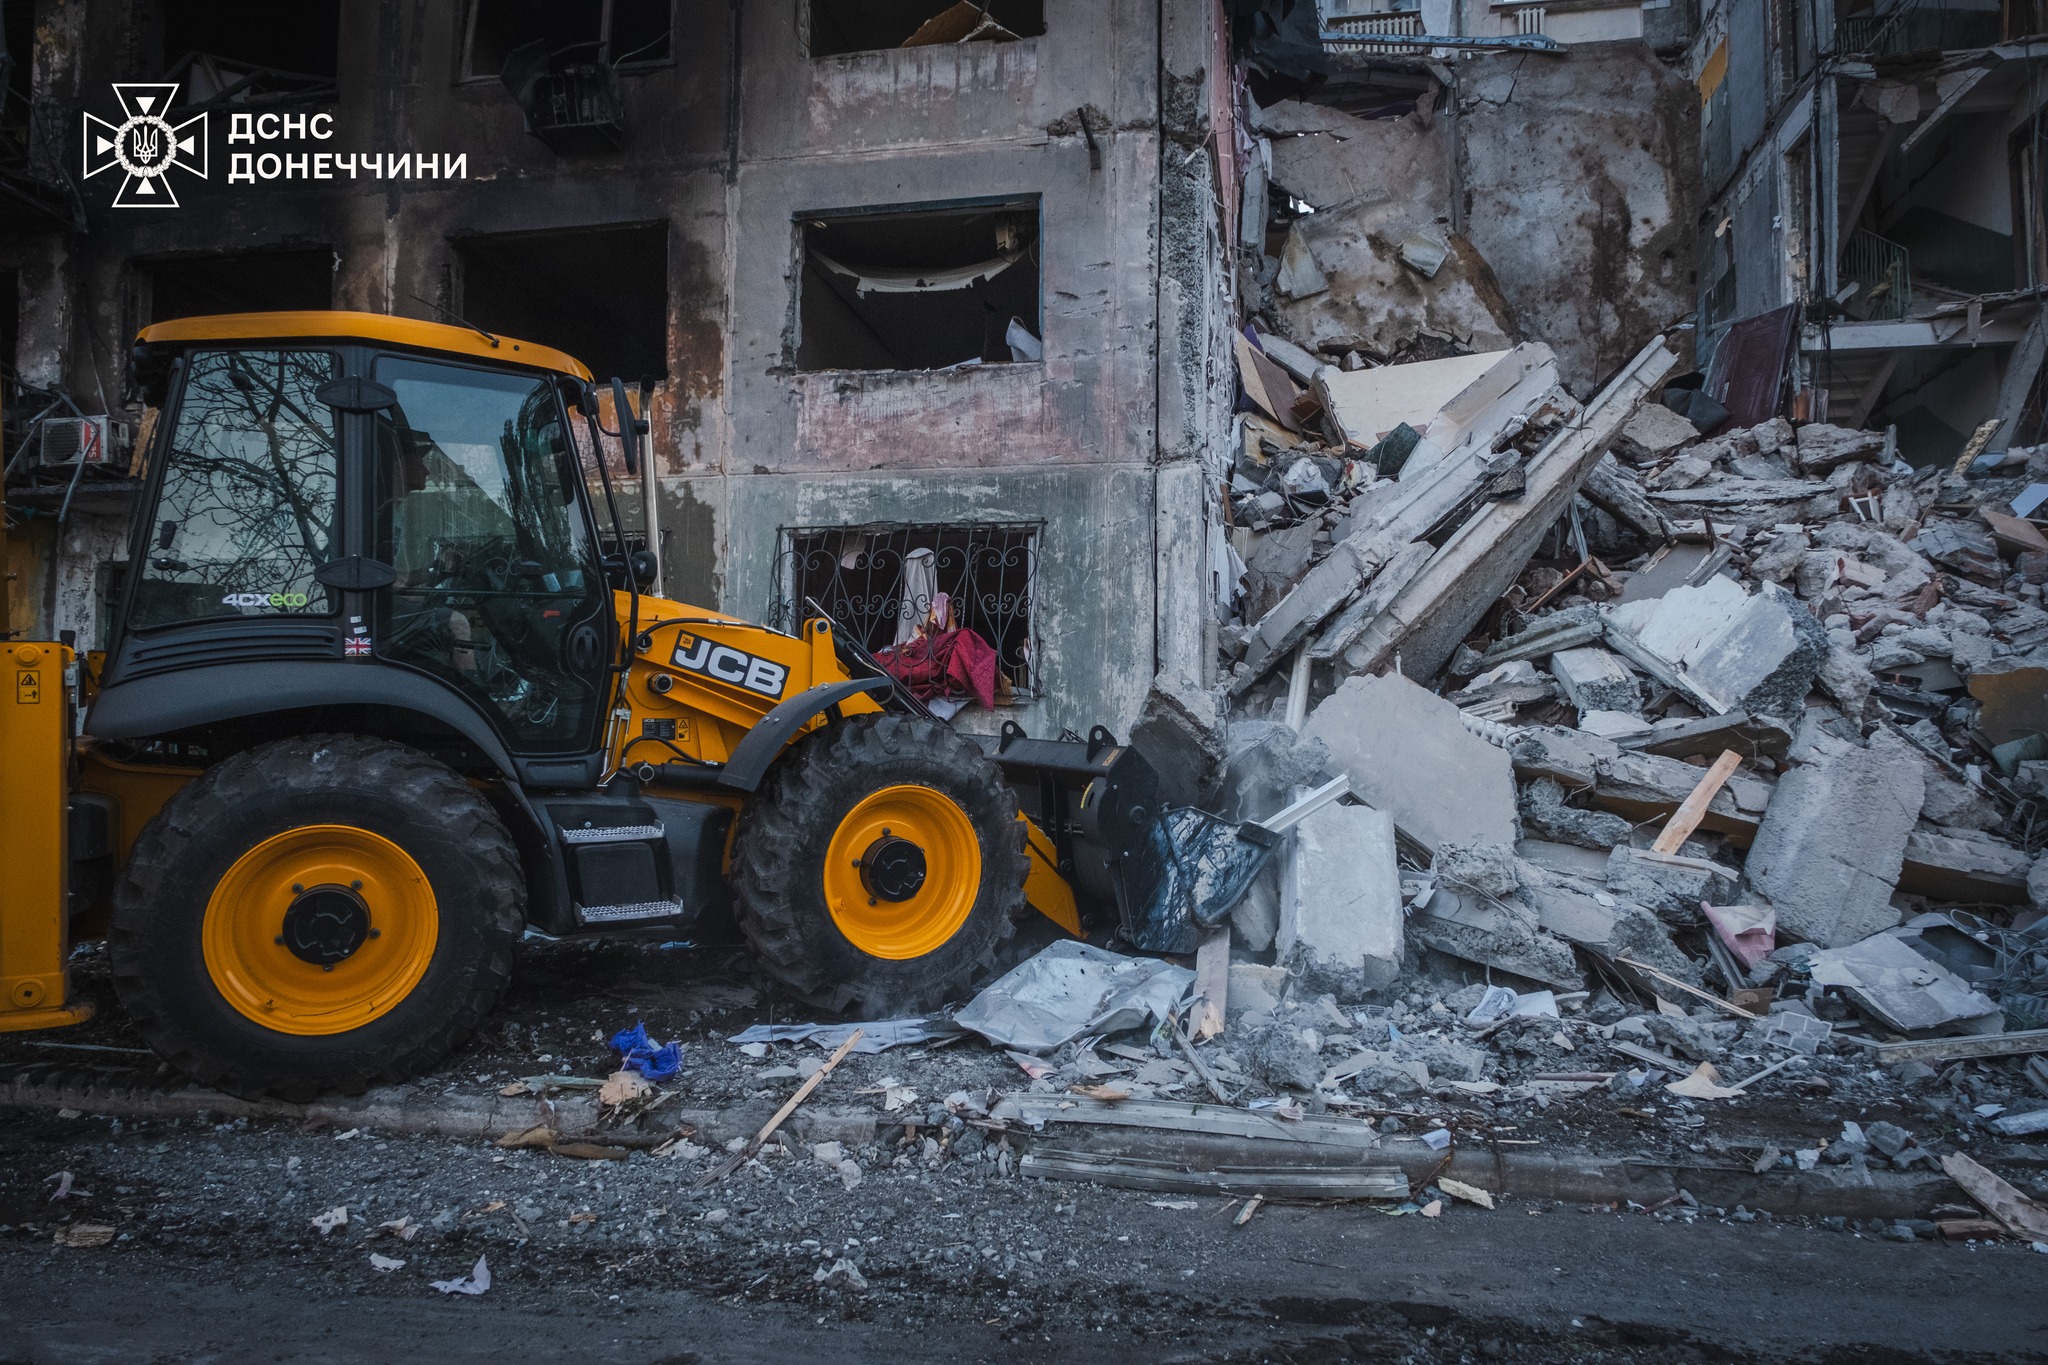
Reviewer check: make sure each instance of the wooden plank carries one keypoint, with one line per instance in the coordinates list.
(1212, 985)
(1693, 809)
(1137, 1173)
(1669, 980)
(1998, 1199)
(803, 1092)
(1952, 1049)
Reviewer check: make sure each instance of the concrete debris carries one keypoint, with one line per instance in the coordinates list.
(1545, 813)
(1829, 849)
(1409, 753)
(1340, 926)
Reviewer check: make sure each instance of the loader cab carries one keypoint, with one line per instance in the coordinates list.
(350, 510)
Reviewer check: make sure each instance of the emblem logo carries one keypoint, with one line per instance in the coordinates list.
(145, 146)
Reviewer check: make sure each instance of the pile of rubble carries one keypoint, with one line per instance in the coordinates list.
(1759, 719)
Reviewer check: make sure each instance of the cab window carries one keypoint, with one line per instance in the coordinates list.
(246, 511)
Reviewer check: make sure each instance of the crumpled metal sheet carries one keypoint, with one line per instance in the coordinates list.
(1071, 990)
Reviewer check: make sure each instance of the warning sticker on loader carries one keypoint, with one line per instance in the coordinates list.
(696, 654)
(28, 687)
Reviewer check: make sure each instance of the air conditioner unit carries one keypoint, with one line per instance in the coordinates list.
(72, 440)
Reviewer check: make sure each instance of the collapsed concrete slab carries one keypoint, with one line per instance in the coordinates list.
(1757, 652)
(1594, 680)
(1425, 622)
(1828, 851)
(1964, 866)
(1340, 904)
(1407, 752)
(1669, 885)
(1638, 786)
(1498, 934)
(1613, 927)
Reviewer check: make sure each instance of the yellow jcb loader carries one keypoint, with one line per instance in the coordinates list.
(378, 700)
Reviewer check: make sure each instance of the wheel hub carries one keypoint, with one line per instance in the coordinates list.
(325, 924)
(892, 869)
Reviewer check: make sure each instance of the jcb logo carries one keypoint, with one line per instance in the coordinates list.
(729, 665)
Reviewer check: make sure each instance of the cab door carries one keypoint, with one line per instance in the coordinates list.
(480, 513)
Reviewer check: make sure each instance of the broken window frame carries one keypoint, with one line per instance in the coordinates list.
(1031, 255)
(865, 598)
(465, 44)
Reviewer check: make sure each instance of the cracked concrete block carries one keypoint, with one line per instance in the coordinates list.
(1822, 447)
(1764, 660)
(1615, 927)
(1965, 866)
(1255, 989)
(1668, 884)
(1180, 734)
(1407, 752)
(1654, 432)
(1503, 935)
(1340, 906)
(1678, 625)
(1829, 850)
(1595, 680)
(1546, 816)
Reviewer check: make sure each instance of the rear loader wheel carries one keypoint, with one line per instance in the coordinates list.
(317, 914)
(879, 866)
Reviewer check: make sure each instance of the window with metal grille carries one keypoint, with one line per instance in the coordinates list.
(879, 583)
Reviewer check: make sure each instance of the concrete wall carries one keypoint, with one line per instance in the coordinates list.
(1580, 179)
(1135, 308)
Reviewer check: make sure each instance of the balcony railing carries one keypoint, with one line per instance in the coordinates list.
(1917, 26)
(1883, 273)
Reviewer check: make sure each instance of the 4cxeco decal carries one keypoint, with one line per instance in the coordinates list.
(146, 146)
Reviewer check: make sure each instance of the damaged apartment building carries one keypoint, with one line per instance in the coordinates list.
(923, 301)
(1871, 243)
(921, 298)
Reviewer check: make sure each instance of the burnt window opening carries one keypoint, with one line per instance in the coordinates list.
(600, 293)
(251, 53)
(923, 290)
(237, 282)
(606, 32)
(841, 26)
(887, 583)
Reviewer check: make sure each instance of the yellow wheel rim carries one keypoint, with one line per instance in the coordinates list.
(902, 872)
(320, 929)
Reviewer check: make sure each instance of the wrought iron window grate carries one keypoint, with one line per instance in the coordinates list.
(877, 583)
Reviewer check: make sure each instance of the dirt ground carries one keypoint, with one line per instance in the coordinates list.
(932, 1245)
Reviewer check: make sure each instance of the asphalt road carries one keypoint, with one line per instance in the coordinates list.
(1527, 1282)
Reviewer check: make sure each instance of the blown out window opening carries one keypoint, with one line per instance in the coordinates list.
(949, 609)
(924, 289)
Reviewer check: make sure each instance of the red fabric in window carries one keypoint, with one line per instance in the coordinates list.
(946, 663)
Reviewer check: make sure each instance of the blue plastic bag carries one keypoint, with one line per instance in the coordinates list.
(639, 1053)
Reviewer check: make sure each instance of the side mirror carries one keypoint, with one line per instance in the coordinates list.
(630, 427)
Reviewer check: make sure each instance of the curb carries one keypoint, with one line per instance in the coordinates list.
(1566, 1176)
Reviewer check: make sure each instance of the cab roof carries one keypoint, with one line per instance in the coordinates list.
(374, 327)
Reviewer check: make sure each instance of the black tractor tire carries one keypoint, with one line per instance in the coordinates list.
(392, 791)
(779, 854)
